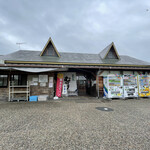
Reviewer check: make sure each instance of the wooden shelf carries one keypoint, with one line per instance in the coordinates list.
(19, 86)
(20, 92)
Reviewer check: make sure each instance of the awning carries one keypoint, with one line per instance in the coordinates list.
(4, 68)
(34, 70)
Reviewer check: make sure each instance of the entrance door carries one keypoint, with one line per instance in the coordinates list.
(81, 85)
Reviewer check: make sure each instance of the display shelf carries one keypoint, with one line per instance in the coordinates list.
(18, 86)
(15, 92)
(19, 89)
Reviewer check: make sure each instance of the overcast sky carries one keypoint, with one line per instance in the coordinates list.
(76, 25)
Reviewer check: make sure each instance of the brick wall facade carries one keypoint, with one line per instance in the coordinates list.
(37, 90)
(4, 94)
(42, 90)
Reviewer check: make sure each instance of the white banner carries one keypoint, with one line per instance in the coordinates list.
(70, 81)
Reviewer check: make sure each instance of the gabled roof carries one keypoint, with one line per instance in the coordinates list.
(49, 42)
(104, 53)
(26, 57)
(101, 59)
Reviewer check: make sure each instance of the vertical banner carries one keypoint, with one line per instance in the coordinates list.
(70, 81)
(59, 84)
(64, 91)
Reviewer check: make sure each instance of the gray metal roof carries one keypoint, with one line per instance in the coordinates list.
(25, 55)
(34, 56)
(105, 50)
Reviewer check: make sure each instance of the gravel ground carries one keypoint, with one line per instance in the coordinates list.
(75, 125)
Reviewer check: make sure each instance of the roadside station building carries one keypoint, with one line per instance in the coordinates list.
(49, 72)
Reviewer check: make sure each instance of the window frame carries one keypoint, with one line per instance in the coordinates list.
(4, 86)
(20, 78)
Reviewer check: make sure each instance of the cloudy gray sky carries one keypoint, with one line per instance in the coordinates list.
(76, 25)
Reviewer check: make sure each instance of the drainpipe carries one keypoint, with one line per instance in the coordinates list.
(98, 83)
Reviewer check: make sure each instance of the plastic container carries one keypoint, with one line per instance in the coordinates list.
(33, 98)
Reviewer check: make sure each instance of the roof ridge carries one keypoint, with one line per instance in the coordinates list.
(30, 50)
(79, 53)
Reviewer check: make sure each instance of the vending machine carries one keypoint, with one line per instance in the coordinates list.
(113, 86)
(130, 87)
(143, 85)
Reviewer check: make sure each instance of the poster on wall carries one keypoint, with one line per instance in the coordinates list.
(43, 78)
(50, 85)
(50, 82)
(71, 82)
(35, 79)
(42, 84)
(35, 83)
(59, 84)
(50, 79)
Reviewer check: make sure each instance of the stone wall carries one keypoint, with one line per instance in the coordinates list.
(38, 90)
(4, 94)
(41, 90)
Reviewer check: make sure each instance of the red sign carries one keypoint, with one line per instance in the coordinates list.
(59, 84)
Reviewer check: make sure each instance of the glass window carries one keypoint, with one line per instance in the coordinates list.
(3, 80)
(19, 79)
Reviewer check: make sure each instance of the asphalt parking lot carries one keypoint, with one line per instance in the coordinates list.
(75, 125)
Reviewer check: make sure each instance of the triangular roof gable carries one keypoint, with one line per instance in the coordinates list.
(109, 49)
(50, 48)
